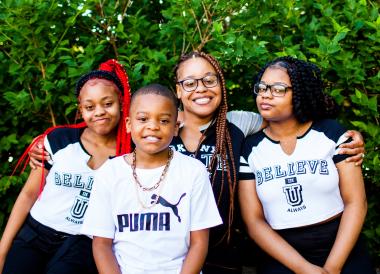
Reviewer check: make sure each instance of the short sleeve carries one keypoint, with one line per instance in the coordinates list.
(98, 220)
(248, 122)
(204, 212)
(334, 131)
(245, 171)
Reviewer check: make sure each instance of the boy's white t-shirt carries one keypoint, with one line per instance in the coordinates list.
(151, 238)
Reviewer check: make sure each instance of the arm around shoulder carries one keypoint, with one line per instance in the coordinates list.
(248, 122)
(354, 148)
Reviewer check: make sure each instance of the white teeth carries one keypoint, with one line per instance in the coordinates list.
(202, 101)
(151, 138)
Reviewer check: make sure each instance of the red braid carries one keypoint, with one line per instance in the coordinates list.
(123, 139)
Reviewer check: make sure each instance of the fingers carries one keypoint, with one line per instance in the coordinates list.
(357, 137)
(352, 151)
(357, 159)
(38, 153)
(33, 163)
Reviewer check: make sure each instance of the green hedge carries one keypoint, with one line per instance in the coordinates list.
(46, 45)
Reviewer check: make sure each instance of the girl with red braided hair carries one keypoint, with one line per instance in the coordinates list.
(43, 231)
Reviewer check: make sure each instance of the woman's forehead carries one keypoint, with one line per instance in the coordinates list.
(193, 67)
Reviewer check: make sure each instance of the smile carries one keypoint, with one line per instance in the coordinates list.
(101, 121)
(152, 139)
(202, 100)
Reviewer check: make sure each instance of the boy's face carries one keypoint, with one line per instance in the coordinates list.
(152, 122)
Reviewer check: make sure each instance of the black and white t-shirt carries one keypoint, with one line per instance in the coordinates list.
(64, 199)
(298, 189)
(242, 123)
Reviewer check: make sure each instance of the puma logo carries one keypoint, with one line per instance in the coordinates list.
(165, 203)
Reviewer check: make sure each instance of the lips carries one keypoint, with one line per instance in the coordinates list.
(202, 100)
(101, 121)
(152, 139)
(265, 106)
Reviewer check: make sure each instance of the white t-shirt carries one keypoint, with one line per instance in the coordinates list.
(64, 199)
(154, 239)
(298, 189)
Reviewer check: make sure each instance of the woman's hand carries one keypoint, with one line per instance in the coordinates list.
(37, 153)
(355, 147)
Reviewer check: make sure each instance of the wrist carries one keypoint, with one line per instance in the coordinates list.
(302, 267)
(331, 268)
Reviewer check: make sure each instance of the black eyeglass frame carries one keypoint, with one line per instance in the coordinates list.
(197, 81)
(271, 89)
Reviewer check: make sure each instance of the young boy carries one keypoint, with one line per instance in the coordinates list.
(150, 210)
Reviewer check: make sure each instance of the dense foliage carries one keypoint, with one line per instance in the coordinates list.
(46, 45)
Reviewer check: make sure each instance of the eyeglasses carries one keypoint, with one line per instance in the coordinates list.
(277, 89)
(208, 81)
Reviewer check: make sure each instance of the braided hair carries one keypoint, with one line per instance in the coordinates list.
(223, 149)
(309, 101)
(112, 71)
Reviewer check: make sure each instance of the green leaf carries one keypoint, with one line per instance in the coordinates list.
(372, 103)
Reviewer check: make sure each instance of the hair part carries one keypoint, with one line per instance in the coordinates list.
(95, 81)
(223, 149)
(310, 103)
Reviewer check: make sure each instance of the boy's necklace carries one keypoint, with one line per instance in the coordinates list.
(156, 185)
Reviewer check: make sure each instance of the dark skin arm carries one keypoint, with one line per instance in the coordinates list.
(104, 257)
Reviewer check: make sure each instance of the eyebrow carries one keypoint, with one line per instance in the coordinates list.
(206, 74)
(102, 99)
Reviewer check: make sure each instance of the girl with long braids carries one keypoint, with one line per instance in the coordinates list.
(206, 134)
(43, 231)
(301, 202)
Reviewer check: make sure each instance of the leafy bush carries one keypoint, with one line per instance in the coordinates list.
(46, 45)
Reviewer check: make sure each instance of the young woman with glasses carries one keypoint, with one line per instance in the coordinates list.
(302, 203)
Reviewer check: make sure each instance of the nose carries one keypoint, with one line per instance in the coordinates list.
(99, 111)
(267, 93)
(200, 86)
(153, 125)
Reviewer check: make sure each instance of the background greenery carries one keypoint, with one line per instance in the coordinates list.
(46, 45)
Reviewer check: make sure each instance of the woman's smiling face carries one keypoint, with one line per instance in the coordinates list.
(203, 101)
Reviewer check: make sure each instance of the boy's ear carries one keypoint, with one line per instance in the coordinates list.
(128, 124)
